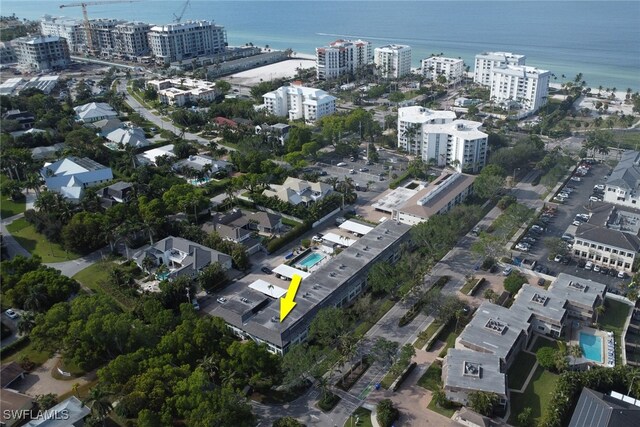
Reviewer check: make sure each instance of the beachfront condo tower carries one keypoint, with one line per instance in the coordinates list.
(451, 68)
(487, 61)
(393, 61)
(342, 57)
(526, 88)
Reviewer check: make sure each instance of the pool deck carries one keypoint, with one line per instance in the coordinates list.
(607, 337)
(316, 264)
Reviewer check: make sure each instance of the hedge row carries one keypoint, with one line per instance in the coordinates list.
(15, 346)
(295, 232)
(396, 182)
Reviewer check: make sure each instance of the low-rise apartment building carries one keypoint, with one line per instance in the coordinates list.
(186, 40)
(623, 186)
(610, 238)
(299, 102)
(41, 53)
(393, 61)
(179, 92)
(411, 206)
(438, 138)
(465, 372)
(255, 315)
(342, 57)
(485, 63)
(451, 68)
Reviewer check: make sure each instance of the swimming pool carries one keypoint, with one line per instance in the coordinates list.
(591, 346)
(311, 260)
(199, 181)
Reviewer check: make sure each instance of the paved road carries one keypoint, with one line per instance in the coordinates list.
(12, 246)
(159, 121)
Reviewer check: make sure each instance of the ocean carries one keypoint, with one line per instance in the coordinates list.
(600, 39)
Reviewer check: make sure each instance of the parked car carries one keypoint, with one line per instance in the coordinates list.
(576, 178)
(576, 223)
(595, 199)
(567, 237)
(11, 314)
(195, 304)
(581, 263)
(599, 187)
(558, 258)
(221, 300)
(566, 260)
(267, 270)
(613, 272)
(507, 271)
(621, 275)
(588, 265)
(364, 169)
(522, 247)
(352, 171)
(541, 282)
(341, 164)
(604, 270)
(596, 268)
(537, 228)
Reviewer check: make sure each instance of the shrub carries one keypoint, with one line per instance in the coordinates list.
(398, 179)
(387, 413)
(546, 357)
(287, 422)
(514, 282)
(506, 201)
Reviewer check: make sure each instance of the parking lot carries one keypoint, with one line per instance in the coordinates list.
(577, 203)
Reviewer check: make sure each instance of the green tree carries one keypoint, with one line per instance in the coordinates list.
(84, 232)
(287, 422)
(556, 246)
(546, 357)
(483, 402)
(98, 401)
(212, 277)
(386, 413)
(328, 325)
(514, 282)
(382, 279)
(524, 417)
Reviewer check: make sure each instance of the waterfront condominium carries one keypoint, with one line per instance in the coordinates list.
(527, 86)
(180, 41)
(72, 30)
(487, 61)
(342, 57)
(437, 137)
(131, 40)
(41, 53)
(451, 68)
(393, 61)
(103, 40)
(299, 102)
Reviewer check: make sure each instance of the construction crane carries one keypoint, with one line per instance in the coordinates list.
(85, 15)
(178, 18)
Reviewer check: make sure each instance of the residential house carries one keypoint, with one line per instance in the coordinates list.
(71, 175)
(623, 186)
(150, 157)
(15, 407)
(610, 238)
(25, 119)
(203, 163)
(94, 111)
(296, 191)
(68, 413)
(278, 132)
(466, 371)
(106, 126)
(183, 257)
(119, 192)
(239, 227)
(128, 136)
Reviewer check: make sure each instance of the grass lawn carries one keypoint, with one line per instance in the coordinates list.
(36, 356)
(536, 396)
(363, 418)
(37, 244)
(96, 278)
(449, 335)
(447, 412)
(10, 208)
(520, 369)
(425, 335)
(432, 378)
(613, 319)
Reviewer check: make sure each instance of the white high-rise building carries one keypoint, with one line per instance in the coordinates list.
(487, 61)
(131, 40)
(451, 68)
(393, 61)
(299, 102)
(528, 86)
(342, 57)
(436, 136)
(103, 38)
(176, 42)
(72, 30)
(41, 53)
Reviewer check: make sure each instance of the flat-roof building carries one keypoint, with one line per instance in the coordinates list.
(485, 63)
(253, 315)
(299, 102)
(41, 53)
(181, 91)
(393, 60)
(466, 371)
(186, 40)
(451, 68)
(342, 57)
(527, 86)
(71, 30)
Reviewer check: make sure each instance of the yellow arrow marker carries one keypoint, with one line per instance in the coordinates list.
(287, 302)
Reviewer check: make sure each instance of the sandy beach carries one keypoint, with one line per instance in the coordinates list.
(283, 69)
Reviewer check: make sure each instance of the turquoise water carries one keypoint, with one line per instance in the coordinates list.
(311, 260)
(596, 38)
(591, 346)
(199, 181)
(162, 276)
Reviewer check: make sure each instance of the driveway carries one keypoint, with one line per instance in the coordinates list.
(40, 380)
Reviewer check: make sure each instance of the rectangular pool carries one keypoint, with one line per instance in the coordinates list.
(311, 260)
(591, 346)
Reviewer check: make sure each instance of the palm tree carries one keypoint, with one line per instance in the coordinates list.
(99, 403)
(36, 298)
(26, 323)
(599, 310)
(210, 365)
(34, 182)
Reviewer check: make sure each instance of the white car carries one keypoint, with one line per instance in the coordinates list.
(596, 268)
(507, 271)
(588, 265)
(621, 275)
(221, 300)
(595, 199)
(522, 247)
(599, 187)
(341, 164)
(576, 223)
(558, 258)
(11, 314)
(576, 178)
(565, 195)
